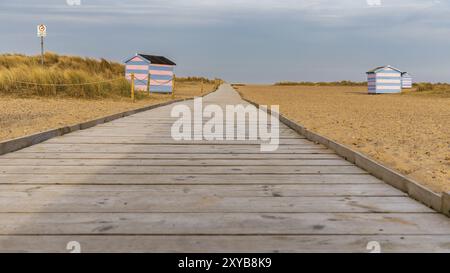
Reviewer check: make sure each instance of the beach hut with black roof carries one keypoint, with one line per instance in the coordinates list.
(152, 73)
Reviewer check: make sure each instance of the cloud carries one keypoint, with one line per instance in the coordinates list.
(220, 10)
(339, 38)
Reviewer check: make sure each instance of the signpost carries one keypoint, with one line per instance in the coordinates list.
(41, 33)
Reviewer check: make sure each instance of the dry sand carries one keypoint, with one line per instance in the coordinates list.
(24, 116)
(408, 132)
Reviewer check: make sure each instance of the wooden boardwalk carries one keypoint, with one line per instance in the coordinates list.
(127, 186)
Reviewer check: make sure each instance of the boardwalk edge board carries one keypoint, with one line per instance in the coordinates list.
(446, 203)
(19, 143)
(438, 202)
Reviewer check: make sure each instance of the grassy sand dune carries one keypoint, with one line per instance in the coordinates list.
(68, 76)
(73, 76)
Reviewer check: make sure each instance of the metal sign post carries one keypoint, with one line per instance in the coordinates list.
(42, 32)
(42, 51)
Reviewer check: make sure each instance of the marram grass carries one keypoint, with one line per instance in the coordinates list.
(69, 76)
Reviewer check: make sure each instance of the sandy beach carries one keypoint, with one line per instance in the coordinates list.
(408, 132)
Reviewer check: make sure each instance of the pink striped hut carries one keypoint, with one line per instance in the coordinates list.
(159, 68)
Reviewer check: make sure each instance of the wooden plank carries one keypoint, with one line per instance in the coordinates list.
(160, 136)
(144, 120)
(95, 170)
(237, 190)
(167, 131)
(170, 123)
(165, 119)
(143, 123)
(172, 162)
(111, 128)
(161, 120)
(134, 148)
(446, 203)
(151, 128)
(228, 244)
(163, 135)
(153, 156)
(135, 202)
(224, 223)
(169, 141)
(182, 179)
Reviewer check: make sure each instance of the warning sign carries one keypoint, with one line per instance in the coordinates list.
(41, 30)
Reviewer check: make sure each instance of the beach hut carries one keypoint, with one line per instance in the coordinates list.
(384, 79)
(406, 80)
(159, 68)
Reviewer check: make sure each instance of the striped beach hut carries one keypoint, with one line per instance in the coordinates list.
(159, 68)
(406, 80)
(384, 79)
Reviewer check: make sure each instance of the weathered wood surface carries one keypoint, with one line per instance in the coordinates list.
(223, 223)
(173, 162)
(127, 186)
(181, 169)
(196, 156)
(227, 190)
(167, 141)
(181, 179)
(226, 243)
(82, 200)
(172, 148)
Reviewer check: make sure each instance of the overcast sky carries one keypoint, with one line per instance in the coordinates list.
(244, 40)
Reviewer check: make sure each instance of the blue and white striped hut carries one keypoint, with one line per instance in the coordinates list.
(384, 79)
(406, 80)
(159, 68)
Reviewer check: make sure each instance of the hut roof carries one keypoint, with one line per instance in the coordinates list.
(381, 67)
(153, 59)
(157, 59)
